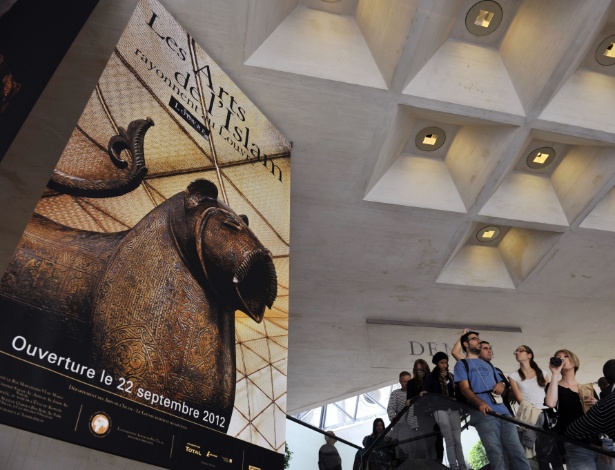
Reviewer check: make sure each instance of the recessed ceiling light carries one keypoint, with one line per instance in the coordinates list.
(540, 158)
(484, 18)
(605, 54)
(430, 139)
(488, 234)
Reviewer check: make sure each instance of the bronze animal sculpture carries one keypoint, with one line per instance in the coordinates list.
(156, 303)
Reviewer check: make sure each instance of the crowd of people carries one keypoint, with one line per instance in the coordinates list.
(545, 399)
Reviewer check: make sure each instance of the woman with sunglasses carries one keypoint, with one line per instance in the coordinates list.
(528, 383)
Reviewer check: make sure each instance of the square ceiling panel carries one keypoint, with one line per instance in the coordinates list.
(497, 256)
(319, 44)
(451, 180)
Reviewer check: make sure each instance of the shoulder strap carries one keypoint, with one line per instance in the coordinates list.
(506, 386)
(465, 364)
(495, 376)
(504, 379)
(468, 372)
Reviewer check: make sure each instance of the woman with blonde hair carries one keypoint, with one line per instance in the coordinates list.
(572, 401)
(528, 384)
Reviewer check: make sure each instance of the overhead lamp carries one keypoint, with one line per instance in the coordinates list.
(605, 54)
(484, 18)
(540, 158)
(430, 139)
(488, 234)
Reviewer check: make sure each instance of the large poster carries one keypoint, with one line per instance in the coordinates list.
(145, 310)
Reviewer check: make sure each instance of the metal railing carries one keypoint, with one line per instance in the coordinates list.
(412, 437)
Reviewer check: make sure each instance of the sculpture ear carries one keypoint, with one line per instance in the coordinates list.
(245, 219)
(199, 190)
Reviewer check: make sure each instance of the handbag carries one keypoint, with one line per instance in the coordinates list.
(550, 418)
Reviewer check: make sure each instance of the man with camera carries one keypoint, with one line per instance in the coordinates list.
(482, 387)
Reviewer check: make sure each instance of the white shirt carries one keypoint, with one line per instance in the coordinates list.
(530, 390)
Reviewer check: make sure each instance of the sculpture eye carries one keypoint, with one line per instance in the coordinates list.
(233, 223)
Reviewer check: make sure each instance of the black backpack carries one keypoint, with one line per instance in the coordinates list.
(460, 397)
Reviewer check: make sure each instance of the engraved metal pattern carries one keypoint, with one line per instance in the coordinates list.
(176, 155)
(157, 300)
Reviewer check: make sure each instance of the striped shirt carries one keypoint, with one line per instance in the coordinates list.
(397, 401)
(600, 419)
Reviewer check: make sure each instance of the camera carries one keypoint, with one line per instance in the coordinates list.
(496, 399)
(555, 361)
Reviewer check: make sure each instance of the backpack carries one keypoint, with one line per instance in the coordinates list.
(460, 397)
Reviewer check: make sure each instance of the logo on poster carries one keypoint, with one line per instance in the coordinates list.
(193, 449)
(100, 424)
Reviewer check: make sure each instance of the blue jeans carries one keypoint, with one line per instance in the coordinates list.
(604, 462)
(579, 458)
(497, 435)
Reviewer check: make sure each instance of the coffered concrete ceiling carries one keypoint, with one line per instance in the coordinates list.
(382, 229)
